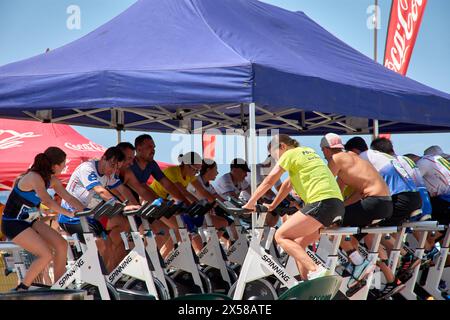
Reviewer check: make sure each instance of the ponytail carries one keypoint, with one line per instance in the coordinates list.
(43, 163)
(283, 138)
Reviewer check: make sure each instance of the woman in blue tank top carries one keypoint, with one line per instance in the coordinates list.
(20, 221)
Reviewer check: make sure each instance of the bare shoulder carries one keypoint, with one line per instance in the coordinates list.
(30, 181)
(341, 158)
(32, 176)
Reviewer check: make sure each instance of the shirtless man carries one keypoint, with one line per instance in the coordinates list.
(369, 202)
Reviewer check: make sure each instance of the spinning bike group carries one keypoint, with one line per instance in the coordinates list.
(187, 232)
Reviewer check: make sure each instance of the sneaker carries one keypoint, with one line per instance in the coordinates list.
(320, 272)
(430, 255)
(407, 265)
(19, 288)
(360, 271)
(389, 290)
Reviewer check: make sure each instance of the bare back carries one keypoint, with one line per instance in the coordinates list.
(359, 174)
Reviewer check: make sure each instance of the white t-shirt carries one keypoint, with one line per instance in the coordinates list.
(435, 171)
(81, 186)
(225, 184)
(208, 188)
(412, 170)
(393, 173)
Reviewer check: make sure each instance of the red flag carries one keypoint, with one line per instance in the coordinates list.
(209, 143)
(404, 24)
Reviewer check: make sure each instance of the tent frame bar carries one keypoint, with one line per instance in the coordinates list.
(212, 117)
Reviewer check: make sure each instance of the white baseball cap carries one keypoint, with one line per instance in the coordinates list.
(332, 141)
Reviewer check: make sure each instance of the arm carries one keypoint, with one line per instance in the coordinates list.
(102, 192)
(59, 189)
(141, 189)
(173, 190)
(202, 191)
(267, 184)
(126, 193)
(285, 188)
(333, 166)
(38, 185)
(341, 184)
(191, 198)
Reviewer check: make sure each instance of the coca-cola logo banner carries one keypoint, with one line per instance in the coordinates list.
(11, 139)
(90, 146)
(404, 24)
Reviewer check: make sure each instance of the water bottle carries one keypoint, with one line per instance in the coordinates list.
(157, 202)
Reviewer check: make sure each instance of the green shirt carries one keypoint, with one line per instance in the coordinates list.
(310, 176)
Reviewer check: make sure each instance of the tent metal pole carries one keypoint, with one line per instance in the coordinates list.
(246, 147)
(376, 128)
(252, 149)
(119, 136)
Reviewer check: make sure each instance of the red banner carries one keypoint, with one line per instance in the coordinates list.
(209, 146)
(385, 135)
(404, 24)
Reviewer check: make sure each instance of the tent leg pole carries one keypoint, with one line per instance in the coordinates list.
(119, 136)
(376, 129)
(252, 153)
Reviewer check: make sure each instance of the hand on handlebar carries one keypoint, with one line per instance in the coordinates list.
(131, 207)
(249, 206)
(269, 206)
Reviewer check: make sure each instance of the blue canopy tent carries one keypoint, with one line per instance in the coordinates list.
(160, 65)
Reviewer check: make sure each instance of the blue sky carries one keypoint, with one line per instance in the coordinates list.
(28, 27)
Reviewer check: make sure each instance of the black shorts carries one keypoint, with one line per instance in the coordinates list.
(404, 204)
(440, 210)
(326, 211)
(94, 226)
(12, 228)
(364, 212)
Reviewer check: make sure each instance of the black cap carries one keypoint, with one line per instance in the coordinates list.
(356, 143)
(240, 164)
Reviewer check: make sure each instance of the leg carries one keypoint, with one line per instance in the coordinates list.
(271, 220)
(31, 241)
(299, 225)
(168, 246)
(161, 232)
(307, 240)
(57, 243)
(116, 225)
(349, 245)
(196, 243)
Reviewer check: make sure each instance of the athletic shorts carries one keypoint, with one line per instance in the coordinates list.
(94, 226)
(364, 212)
(12, 228)
(404, 204)
(441, 210)
(192, 223)
(326, 211)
